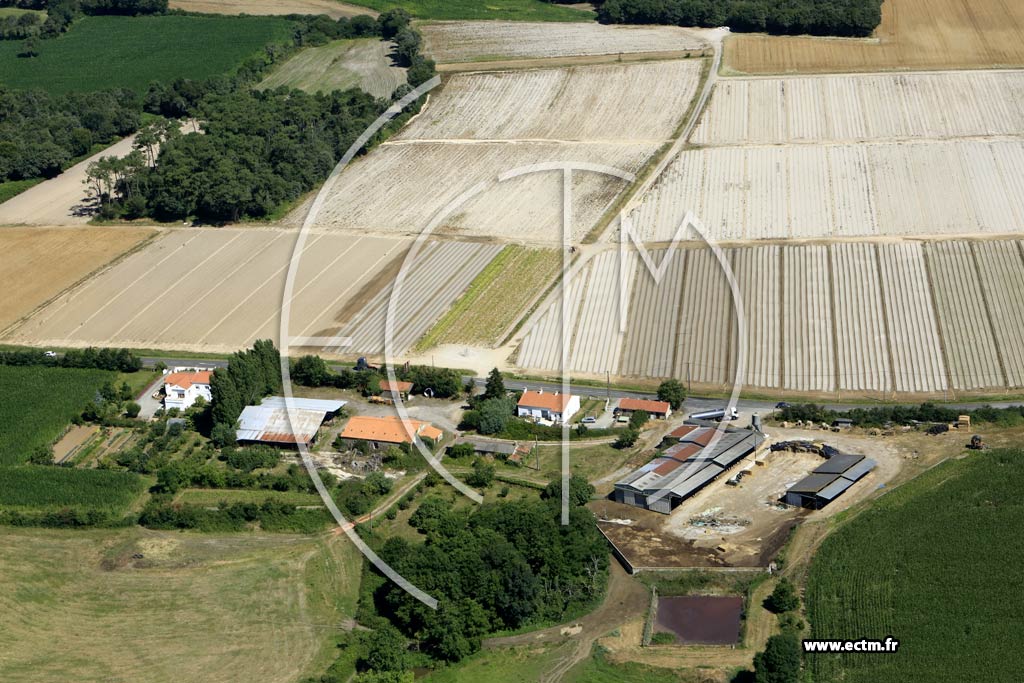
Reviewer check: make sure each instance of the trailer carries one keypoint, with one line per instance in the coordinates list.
(719, 414)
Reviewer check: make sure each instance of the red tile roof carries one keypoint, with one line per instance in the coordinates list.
(187, 379)
(546, 401)
(398, 385)
(655, 407)
(387, 429)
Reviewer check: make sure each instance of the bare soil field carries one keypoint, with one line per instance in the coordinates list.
(947, 187)
(333, 9)
(400, 187)
(858, 107)
(62, 200)
(481, 41)
(342, 64)
(40, 263)
(914, 34)
(844, 319)
(480, 132)
(640, 102)
(211, 290)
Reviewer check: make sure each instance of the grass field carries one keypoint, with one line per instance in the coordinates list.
(17, 12)
(131, 52)
(516, 10)
(339, 65)
(54, 488)
(914, 34)
(39, 403)
(12, 188)
(213, 497)
(935, 560)
(496, 298)
(81, 606)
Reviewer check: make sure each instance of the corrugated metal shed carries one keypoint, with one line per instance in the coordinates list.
(332, 406)
(830, 492)
(690, 485)
(273, 422)
(860, 469)
(813, 483)
(839, 463)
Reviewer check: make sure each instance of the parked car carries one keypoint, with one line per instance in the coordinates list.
(589, 420)
(781, 404)
(50, 354)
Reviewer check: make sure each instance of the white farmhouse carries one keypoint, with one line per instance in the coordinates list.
(182, 389)
(554, 406)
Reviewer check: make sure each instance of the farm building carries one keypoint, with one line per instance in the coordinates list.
(660, 410)
(685, 468)
(395, 390)
(285, 422)
(552, 406)
(828, 481)
(183, 389)
(513, 451)
(381, 432)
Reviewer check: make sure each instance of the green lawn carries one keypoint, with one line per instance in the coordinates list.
(934, 564)
(38, 403)
(213, 497)
(17, 12)
(130, 52)
(514, 10)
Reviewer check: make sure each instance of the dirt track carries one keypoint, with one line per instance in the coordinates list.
(61, 200)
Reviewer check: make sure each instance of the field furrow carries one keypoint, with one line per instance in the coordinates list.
(542, 344)
(654, 317)
(1002, 281)
(597, 345)
(966, 333)
(807, 343)
(757, 274)
(704, 345)
(861, 342)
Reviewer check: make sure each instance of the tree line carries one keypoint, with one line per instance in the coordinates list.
(815, 17)
(61, 13)
(119, 360)
(259, 149)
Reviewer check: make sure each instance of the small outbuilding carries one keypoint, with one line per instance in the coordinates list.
(659, 410)
(397, 390)
(382, 432)
(285, 422)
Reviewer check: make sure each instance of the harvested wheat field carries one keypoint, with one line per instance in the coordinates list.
(914, 34)
(850, 318)
(333, 9)
(39, 263)
(497, 298)
(857, 107)
(340, 65)
(481, 41)
(470, 135)
(641, 102)
(212, 290)
(950, 187)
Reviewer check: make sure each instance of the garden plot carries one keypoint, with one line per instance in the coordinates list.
(860, 107)
(210, 290)
(640, 101)
(649, 347)
(400, 187)
(1002, 281)
(862, 346)
(971, 352)
(705, 347)
(433, 279)
(914, 344)
(759, 279)
(472, 41)
(597, 343)
(807, 345)
(931, 188)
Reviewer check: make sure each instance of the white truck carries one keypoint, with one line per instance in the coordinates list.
(719, 414)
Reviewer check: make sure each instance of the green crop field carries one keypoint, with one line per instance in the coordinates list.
(513, 10)
(166, 607)
(130, 52)
(934, 564)
(38, 403)
(54, 488)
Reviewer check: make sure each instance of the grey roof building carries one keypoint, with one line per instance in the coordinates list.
(829, 480)
(685, 467)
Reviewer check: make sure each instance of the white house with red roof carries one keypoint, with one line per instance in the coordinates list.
(553, 406)
(183, 389)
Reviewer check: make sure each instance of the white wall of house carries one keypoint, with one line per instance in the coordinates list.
(571, 408)
(177, 397)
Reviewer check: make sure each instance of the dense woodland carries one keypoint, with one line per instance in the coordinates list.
(816, 17)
